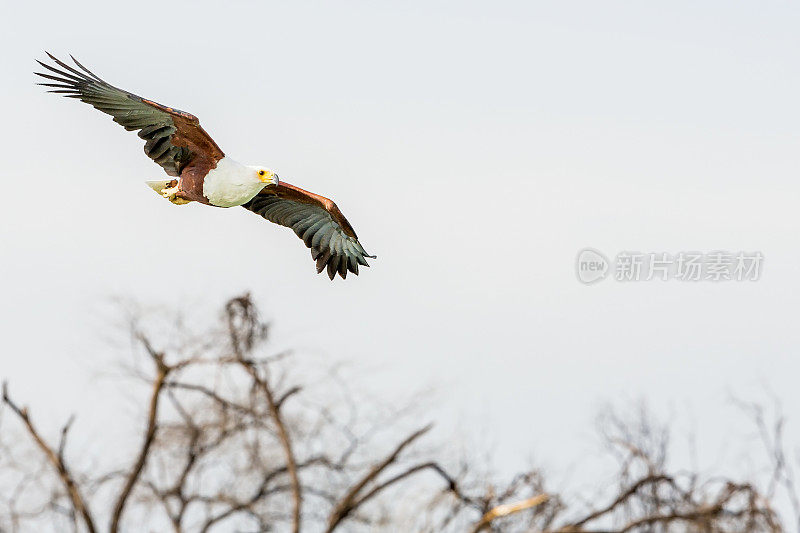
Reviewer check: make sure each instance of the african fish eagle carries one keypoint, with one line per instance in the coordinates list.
(202, 173)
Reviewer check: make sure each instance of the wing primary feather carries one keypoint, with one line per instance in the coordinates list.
(323, 260)
(86, 70)
(59, 85)
(56, 78)
(332, 265)
(60, 72)
(64, 65)
(352, 264)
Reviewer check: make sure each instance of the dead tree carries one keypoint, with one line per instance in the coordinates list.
(229, 442)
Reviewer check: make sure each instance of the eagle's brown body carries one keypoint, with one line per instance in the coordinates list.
(190, 135)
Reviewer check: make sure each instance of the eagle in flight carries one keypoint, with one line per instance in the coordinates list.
(201, 172)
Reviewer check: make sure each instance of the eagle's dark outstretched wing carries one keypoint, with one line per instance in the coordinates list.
(315, 219)
(173, 138)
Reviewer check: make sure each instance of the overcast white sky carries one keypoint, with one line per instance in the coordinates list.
(475, 150)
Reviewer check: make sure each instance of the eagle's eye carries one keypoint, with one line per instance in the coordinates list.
(260, 172)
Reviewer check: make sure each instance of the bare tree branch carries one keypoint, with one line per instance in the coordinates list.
(636, 487)
(349, 501)
(244, 309)
(152, 423)
(56, 459)
(508, 509)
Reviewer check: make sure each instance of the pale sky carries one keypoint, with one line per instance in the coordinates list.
(476, 150)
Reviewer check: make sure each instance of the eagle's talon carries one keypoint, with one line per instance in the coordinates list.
(171, 194)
